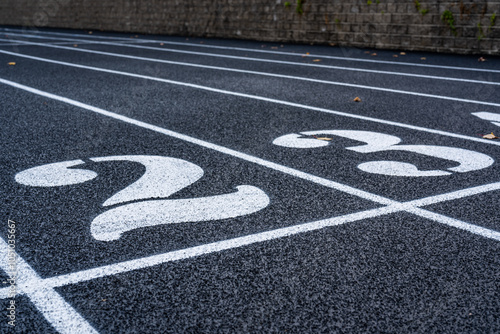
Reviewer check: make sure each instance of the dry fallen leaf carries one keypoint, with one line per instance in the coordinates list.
(316, 60)
(367, 52)
(323, 138)
(423, 58)
(162, 44)
(75, 45)
(490, 136)
(373, 54)
(395, 56)
(403, 53)
(357, 99)
(11, 63)
(481, 59)
(90, 32)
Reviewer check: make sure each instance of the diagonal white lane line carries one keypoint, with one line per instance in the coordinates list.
(227, 69)
(454, 195)
(150, 261)
(218, 246)
(261, 98)
(284, 53)
(284, 169)
(215, 147)
(41, 291)
(50, 304)
(264, 60)
(474, 229)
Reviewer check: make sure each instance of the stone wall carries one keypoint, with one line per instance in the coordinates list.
(468, 26)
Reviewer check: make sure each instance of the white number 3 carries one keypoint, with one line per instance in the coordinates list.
(164, 176)
(378, 142)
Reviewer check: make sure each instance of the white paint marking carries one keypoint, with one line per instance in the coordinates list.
(219, 246)
(298, 141)
(111, 224)
(468, 160)
(239, 242)
(55, 175)
(455, 195)
(292, 104)
(227, 69)
(141, 263)
(243, 156)
(164, 176)
(246, 59)
(396, 168)
(379, 142)
(488, 116)
(474, 229)
(264, 51)
(50, 304)
(202, 143)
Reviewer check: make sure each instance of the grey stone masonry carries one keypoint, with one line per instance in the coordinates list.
(466, 26)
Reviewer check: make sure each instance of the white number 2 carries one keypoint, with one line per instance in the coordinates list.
(164, 176)
(378, 142)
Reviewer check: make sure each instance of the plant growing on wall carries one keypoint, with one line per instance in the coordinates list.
(420, 9)
(493, 20)
(482, 33)
(299, 8)
(448, 18)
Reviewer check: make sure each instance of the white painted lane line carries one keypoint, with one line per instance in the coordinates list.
(219, 246)
(259, 161)
(261, 98)
(454, 195)
(204, 54)
(265, 51)
(215, 147)
(50, 304)
(141, 263)
(335, 83)
(247, 240)
(474, 229)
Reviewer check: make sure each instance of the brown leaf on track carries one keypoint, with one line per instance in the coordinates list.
(395, 56)
(373, 54)
(403, 53)
(357, 99)
(490, 136)
(481, 59)
(11, 63)
(316, 60)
